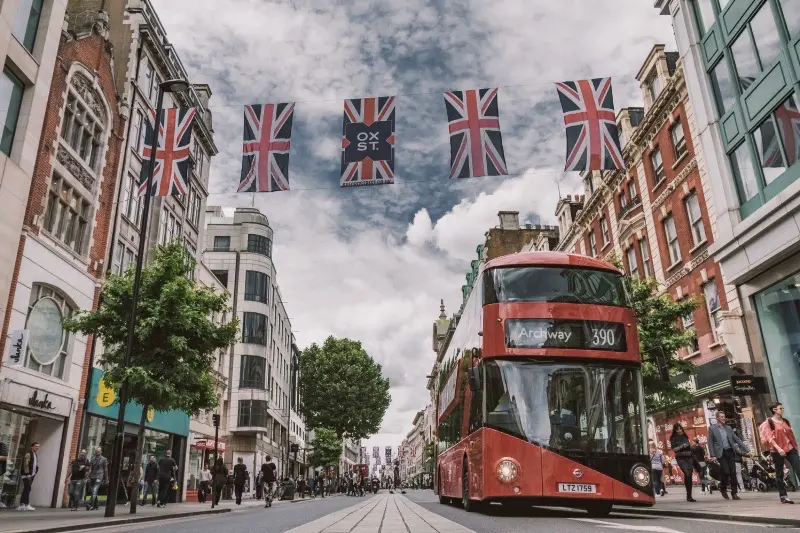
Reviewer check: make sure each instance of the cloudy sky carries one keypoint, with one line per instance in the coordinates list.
(372, 263)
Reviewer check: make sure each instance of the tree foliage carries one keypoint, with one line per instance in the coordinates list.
(175, 339)
(326, 448)
(342, 388)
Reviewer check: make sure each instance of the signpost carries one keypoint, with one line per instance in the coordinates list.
(216, 419)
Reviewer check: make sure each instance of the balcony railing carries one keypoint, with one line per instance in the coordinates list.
(630, 206)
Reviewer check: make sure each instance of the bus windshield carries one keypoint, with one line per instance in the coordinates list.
(554, 284)
(585, 408)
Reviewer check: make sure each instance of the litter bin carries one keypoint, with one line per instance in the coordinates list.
(288, 491)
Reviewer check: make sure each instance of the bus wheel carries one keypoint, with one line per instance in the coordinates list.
(444, 500)
(469, 505)
(599, 509)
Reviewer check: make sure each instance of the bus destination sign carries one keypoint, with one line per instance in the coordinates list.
(568, 334)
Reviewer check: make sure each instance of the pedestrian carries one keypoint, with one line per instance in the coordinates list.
(259, 485)
(205, 484)
(682, 448)
(166, 472)
(240, 475)
(321, 484)
(699, 455)
(30, 466)
(776, 433)
(310, 484)
(150, 481)
(721, 442)
(268, 477)
(98, 476)
(739, 455)
(220, 473)
(76, 479)
(657, 463)
(301, 486)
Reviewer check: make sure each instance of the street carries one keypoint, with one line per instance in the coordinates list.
(420, 512)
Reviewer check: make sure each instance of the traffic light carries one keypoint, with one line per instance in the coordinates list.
(216, 419)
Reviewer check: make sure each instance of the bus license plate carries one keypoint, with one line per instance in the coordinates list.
(577, 487)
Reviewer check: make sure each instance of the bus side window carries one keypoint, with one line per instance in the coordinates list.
(476, 406)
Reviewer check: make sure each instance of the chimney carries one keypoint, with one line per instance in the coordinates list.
(509, 220)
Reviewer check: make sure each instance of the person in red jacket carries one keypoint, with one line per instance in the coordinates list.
(776, 432)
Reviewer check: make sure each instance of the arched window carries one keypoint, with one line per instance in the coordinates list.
(84, 121)
(48, 343)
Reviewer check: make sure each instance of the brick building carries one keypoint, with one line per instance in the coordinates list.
(62, 248)
(655, 216)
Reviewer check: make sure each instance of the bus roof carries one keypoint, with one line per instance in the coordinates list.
(549, 259)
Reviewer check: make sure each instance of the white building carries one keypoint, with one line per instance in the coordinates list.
(238, 250)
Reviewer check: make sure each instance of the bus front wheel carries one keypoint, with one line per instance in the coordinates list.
(599, 509)
(469, 505)
(442, 499)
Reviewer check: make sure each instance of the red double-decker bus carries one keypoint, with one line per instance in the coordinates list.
(540, 398)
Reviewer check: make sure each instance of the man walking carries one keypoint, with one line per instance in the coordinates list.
(166, 470)
(76, 479)
(150, 481)
(777, 433)
(98, 475)
(721, 443)
(240, 475)
(205, 484)
(268, 478)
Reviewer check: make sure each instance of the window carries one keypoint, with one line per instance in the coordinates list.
(791, 15)
(695, 219)
(672, 240)
(26, 22)
(222, 276)
(193, 215)
(756, 47)
(259, 244)
(745, 172)
(658, 166)
(133, 203)
(704, 11)
(592, 243)
(653, 87)
(67, 216)
(713, 306)
(723, 86)
(199, 157)
(633, 190)
(688, 323)
(170, 229)
(138, 132)
(633, 265)
(11, 89)
(124, 258)
(252, 374)
(678, 140)
(253, 413)
(48, 343)
(145, 76)
(552, 284)
(776, 140)
(222, 243)
(623, 201)
(254, 328)
(82, 130)
(604, 230)
(256, 287)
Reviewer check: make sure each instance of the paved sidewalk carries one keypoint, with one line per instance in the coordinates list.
(754, 507)
(384, 513)
(48, 520)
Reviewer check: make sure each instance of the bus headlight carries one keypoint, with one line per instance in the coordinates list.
(507, 471)
(641, 476)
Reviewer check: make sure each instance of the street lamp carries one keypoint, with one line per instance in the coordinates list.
(169, 86)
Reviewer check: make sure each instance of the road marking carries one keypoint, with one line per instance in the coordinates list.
(689, 518)
(627, 527)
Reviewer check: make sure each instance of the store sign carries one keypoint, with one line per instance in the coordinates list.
(15, 393)
(208, 444)
(17, 344)
(748, 385)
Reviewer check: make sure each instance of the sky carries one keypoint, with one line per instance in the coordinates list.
(373, 263)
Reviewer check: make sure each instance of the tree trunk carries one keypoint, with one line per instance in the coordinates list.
(137, 463)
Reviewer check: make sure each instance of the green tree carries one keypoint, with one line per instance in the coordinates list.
(342, 388)
(326, 448)
(175, 339)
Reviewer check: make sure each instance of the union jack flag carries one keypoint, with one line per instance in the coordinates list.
(591, 124)
(368, 138)
(476, 145)
(265, 150)
(172, 155)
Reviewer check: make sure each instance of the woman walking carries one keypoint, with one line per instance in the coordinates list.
(220, 479)
(657, 464)
(683, 454)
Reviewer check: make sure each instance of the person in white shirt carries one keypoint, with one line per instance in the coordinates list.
(205, 484)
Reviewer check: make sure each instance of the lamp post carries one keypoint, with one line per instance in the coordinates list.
(216, 419)
(169, 86)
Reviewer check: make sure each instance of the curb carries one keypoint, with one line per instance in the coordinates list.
(122, 521)
(711, 516)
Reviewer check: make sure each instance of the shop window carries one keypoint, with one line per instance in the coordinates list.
(657, 165)
(26, 22)
(11, 89)
(723, 86)
(713, 307)
(633, 265)
(678, 139)
(48, 343)
(791, 16)
(672, 240)
(695, 219)
(645, 250)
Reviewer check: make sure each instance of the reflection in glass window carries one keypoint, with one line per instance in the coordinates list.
(253, 413)
(743, 168)
(256, 286)
(724, 88)
(705, 14)
(744, 57)
(11, 89)
(769, 150)
(549, 284)
(766, 37)
(791, 15)
(48, 343)
(253, 372)
(787, 117)
(254, 328)
(26, 22)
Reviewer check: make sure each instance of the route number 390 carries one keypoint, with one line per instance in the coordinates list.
(603, 337)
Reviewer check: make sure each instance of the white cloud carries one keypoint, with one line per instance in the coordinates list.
(372, 263)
